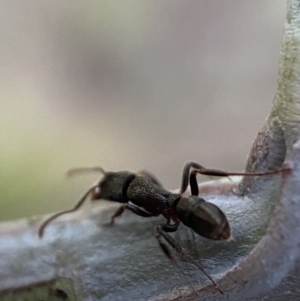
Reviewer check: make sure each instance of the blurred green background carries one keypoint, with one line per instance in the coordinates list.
(128, 85)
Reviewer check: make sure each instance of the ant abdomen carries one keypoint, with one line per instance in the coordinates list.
(205, 218)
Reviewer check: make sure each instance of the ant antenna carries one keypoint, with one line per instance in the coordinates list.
(80, 170)
(77, 206)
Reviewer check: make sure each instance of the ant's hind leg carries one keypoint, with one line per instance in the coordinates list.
(185, 177)
(213, 172)
(220, 173)
(161, 234)
(194, 184)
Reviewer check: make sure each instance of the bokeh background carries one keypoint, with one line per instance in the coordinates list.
(128, 85)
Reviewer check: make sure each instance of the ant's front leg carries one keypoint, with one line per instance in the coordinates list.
(130, 207)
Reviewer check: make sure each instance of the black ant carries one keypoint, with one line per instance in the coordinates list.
(143, 195)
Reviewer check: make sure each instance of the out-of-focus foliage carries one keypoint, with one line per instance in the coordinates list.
(128, 85)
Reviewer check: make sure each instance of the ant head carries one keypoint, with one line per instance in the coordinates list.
(94, 192)
(205, 218)
(110, 187)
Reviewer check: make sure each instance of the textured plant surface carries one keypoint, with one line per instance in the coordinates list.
(79, 259)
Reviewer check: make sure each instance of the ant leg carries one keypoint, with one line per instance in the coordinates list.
(150, 176)
(219, 173)
(191, 177)
(193, 183)
(130, 207)
(185, 179)
(185, 175)
(118, 213)
(169, 228)
(136, 210)
(216, 173)
(164, 247)
(161, 234)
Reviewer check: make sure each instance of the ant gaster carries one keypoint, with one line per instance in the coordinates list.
(143, 195)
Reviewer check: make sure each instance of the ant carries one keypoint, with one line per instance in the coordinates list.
(143, 195)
